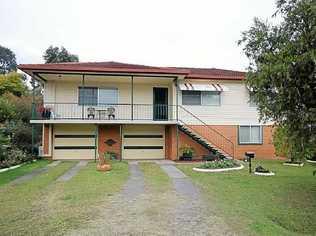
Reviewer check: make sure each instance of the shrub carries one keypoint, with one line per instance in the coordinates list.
(187, 151)
(219, 164)
(288, 146)
(14, 156)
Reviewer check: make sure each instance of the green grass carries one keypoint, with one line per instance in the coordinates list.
(6, 177)
(54, 208)
(17, 201)
(155, 178)
(284, 204)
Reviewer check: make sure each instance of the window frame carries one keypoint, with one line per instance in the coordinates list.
(191, 104)
(251, 143)
(90, 87)
(98, 93)
(201, 98)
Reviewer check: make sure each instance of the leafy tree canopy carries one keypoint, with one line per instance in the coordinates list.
(282, 70)
(12, 83)
(57, 55)
(7, 60)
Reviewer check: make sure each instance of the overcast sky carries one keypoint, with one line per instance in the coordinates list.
(161, 33)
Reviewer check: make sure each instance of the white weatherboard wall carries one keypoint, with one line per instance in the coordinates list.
(233, 110)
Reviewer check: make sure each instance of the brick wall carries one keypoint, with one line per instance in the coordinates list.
(46, 139)
(107, 132)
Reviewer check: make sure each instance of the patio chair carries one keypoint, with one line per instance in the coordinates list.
(91, 112)
(111, 111)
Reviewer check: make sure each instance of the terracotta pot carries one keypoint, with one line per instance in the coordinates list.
(103, 167)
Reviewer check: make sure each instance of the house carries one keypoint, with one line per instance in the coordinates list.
(145, 112)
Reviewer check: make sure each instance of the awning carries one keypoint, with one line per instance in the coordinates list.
(203, 87)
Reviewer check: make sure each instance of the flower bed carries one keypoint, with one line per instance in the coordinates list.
(219, 166)
(289, 163)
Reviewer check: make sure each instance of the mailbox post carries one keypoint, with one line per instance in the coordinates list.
(249, 156)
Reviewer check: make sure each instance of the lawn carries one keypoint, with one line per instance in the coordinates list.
(155, 178)
(284, 204)
(6, 177)
(43, 206)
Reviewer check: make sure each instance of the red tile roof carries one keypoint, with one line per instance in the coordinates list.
(117, 67)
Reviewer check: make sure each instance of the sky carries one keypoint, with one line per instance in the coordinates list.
(192, 33)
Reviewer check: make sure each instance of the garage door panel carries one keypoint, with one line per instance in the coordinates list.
(67, 154)
(143, 142)
(74, 141)
(143, 153)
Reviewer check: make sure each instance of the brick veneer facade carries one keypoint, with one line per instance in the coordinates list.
(112, 131)
(107, 132)
(263, 151)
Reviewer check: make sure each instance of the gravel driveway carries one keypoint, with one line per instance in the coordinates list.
(139, 211)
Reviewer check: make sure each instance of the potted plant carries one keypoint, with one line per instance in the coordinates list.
(187, 153)
(110, 156)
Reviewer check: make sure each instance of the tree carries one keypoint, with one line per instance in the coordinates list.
(57, 55)
(282, 71)
(12, 83)
(7, 60)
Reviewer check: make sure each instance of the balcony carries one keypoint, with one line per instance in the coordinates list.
(107, 113)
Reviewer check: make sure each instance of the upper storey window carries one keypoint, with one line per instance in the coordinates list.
(95, 96)
(204, 98)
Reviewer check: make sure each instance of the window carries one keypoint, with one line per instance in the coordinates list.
(88, 96)
(95, 96)
(211, 98)
(204, 98)
(108, 96)
(251, 134)
(191, 97)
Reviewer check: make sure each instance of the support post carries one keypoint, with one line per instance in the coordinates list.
(84, 96)
(96, 135)
(132, 97)
(177, 134)
(177, 102)
(33, 116)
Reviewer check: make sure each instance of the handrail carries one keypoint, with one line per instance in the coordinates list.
(222, 147)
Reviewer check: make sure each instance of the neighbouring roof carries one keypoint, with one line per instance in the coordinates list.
(117, 67)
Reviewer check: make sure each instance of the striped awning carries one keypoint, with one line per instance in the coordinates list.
(203, 87)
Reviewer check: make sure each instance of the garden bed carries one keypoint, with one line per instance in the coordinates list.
(264, 174)
(218, 166)
(10, 168)
(311, 161)
(297, 164)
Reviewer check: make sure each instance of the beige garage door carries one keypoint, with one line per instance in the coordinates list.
(74, 142)
(143, 142)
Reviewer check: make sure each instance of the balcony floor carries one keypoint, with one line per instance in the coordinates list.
(86, 121)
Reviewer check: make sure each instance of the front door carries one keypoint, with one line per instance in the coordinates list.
(160, 104)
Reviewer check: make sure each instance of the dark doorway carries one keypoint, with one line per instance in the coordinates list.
(160, 103)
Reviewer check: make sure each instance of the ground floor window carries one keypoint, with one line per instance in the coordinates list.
(250, 134)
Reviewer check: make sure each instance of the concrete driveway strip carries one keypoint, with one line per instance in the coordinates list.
(72, 172)
(192, 214)
(35, 173)
(135, 183)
